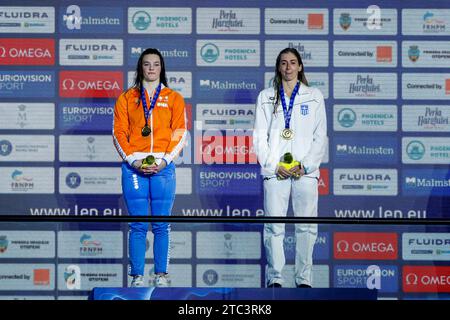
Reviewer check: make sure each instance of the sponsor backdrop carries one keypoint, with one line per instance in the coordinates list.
(384, 70)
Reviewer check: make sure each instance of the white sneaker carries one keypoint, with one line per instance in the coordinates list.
(162, 280)
(137, 282)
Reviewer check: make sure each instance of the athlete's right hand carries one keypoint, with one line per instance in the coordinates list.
(137, 165)
(283, 173)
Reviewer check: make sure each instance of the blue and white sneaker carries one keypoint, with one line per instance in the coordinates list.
(137, 282)
(162, 280)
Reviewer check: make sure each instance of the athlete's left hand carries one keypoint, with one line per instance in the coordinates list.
(156, 168)
(297, 172)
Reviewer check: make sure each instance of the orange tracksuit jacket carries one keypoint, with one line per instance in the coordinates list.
(167, 122)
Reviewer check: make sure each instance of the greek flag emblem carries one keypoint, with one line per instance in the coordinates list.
(304, 109)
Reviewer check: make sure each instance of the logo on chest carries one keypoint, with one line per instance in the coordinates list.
(304, 109)
(163, 102)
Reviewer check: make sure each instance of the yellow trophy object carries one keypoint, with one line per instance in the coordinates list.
(148, 161)
(288, 162)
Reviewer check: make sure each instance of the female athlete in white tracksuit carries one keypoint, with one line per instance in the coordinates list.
(290, 117)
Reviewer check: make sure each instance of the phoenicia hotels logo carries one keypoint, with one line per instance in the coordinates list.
(415, 150)
(209, 52)
(346, 118)
(141, 20)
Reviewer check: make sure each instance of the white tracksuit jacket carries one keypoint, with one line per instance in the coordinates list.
(308, 145)
(310, 130)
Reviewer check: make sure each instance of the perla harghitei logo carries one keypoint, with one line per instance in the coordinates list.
(209, 52)
(413, 53)
(415, 150)
(141, 20)
(346, 118)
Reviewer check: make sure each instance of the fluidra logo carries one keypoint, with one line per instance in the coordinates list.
(73, 17)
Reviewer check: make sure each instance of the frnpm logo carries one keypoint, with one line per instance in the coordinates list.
(426, 182)
(229, 180)
(25, 51)
(365, 246)
(382, 277)
(90, 84)
(426, 279)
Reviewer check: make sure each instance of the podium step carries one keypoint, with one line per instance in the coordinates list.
(173, 293)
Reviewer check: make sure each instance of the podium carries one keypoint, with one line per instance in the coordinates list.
(173, 293)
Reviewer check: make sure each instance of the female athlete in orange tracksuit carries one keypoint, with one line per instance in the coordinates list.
(149, 119)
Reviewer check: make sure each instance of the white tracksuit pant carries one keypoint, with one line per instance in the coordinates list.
(276, 201)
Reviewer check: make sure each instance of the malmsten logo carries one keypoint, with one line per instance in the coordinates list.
(365, 245)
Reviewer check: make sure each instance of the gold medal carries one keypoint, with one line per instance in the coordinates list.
(146, 131)
(287, 134)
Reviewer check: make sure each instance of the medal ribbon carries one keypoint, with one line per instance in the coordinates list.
(288, 112)
(148, 112)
